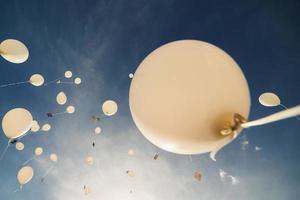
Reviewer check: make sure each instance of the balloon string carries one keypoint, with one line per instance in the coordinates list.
(291, 112)
(97, 163)
(27, 161)
(11, 84)
(5, 149)
(19, 189)
(55, 80)
(47, 172)
(287, 109)
(192, 163)
(103, 116)
(64, 82)
(60, 113)
(28, 133)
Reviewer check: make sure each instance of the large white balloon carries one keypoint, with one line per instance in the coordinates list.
(16, 122)
(61, 98)
(19, 146)
(184, 93)
(38, 151)
(269, 99)
(109, 107)
(25, 174)
(14, 51)
(37, 80)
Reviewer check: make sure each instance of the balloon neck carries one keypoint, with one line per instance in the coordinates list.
(235, 127)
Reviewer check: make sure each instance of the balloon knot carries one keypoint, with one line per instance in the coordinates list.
(233, 129)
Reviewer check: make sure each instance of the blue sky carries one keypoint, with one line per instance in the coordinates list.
(104, 41)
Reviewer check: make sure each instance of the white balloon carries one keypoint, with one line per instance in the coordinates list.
(16, 122)
(61, 98)
(89, 160)
(53, 157)
(130, 173)
(77, 81)
(38, 151)
(68, 74)
(25, 174)
(37, 80)
(130, 152)
(70, 109)
(19, 146)
(98, 130)
(35, 127)
(269, 99)
(46, 127)
(109, 107)
(14, 51)
(184, 93)
(87, 190)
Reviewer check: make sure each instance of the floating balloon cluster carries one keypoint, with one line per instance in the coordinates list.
(198, 102)
(68, 75)
(19, 122)
(61, 99)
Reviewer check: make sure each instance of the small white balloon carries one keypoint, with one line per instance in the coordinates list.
(109, 107)
(131, 152)
(46, 127)
(16, 123)
(130, 173)
(77, 81)
(14, 51)
(269, 99)
(61, 98)
(19, 146)
(68, 74)
(25, 174)
(35, 127)
(98, 130)
(87, 190)
(37, 80)
(38, 151)
(257, 148)
(89, 160)
(70, 109)
(53, 157)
